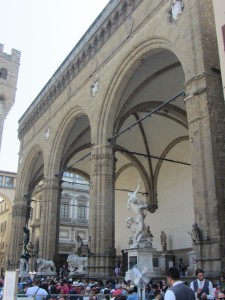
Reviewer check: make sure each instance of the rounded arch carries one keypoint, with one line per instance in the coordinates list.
(60, 138)
(121, 78)
(6, 198)
(31, 171)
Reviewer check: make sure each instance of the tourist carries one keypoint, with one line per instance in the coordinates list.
(222, 281)
(157, 295)
(217, 289)
(182, 268)
(36, 291)
(177, 290)
(76, 291)
(164, 286)
(134, 294)
(61, 297)
(203, 288)
(64, 289)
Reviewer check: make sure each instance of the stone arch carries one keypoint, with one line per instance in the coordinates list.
(30, 175)
(120, 79)
(60, 138)
(6, 198)
(115, 114)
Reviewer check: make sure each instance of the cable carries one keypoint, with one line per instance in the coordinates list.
(82, 158)
(146, 116)
(156, 157)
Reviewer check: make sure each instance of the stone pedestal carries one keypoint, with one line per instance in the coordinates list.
(46, 273)
(165, 262)
(142, 257)
(192, 262)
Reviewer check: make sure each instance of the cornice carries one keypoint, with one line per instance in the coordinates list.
(114, 14)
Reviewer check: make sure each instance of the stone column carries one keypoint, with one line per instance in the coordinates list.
(205, 113)
(50, 220)
(102, 212)
(19, 213)
(43, 220)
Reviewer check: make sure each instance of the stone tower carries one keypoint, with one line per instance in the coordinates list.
(9, 68)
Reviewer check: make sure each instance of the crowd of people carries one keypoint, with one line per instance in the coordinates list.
(172, 288)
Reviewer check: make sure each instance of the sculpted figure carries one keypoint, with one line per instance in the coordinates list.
(149, 235)
(195, 233)
(177, 8)
(77, 264)
(140, 210)
(79, 244)
(24, 263)
(163, 239)
(26, 239)
(44, 265)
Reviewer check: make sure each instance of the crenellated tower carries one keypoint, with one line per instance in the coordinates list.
(9, 69)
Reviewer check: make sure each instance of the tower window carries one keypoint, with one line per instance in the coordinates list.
(3, 73)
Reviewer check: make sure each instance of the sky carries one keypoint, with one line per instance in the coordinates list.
(45, 31)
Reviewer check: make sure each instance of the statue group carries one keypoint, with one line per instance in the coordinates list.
(141, 234)
(45, 267)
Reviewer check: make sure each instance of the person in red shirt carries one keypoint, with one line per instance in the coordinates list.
(64, 287)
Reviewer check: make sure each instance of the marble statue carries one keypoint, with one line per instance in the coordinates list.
(78, 246)
(163, 239)
(81, 247)
(77, 264)
(195, 233)
(136, 223)
(77, 261)
(177, 8)
(45, 266)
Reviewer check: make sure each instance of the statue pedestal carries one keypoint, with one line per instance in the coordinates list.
(192, 262)
(45, 274)
(165, 262)
(24, 275)
(142, 257)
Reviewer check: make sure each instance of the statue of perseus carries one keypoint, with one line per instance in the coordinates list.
(137, 224)
(26, 239)
(25, 256)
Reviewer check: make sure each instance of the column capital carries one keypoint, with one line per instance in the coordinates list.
(103, 160)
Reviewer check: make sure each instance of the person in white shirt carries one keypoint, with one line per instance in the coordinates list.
(178, 290)
(203, 288)
(35, 290)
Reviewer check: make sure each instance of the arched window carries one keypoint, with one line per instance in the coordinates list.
(3, 73)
